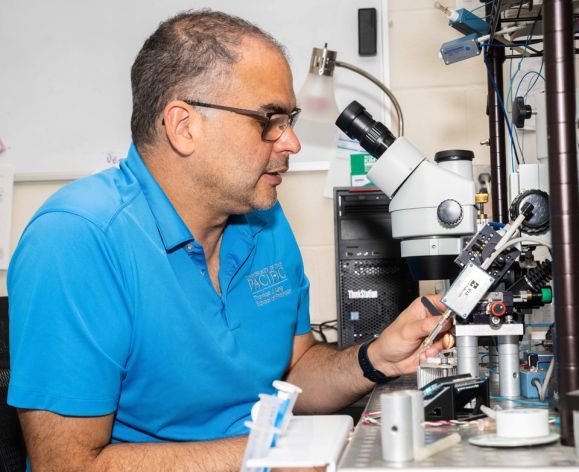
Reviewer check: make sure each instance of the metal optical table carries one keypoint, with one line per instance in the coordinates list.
(364, 451)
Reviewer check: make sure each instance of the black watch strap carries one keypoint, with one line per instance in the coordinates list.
(368, 369)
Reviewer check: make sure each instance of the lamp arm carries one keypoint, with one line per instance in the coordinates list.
(381, 86)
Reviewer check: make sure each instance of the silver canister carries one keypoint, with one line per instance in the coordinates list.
(509, 382)
(397, 431)
(417, 418)
(467, 355)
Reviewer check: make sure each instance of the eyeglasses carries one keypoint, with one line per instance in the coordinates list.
(274, 123)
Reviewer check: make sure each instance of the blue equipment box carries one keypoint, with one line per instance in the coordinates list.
(468, 23)
(528, 390)
(460, 49)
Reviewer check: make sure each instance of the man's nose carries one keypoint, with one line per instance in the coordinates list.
(289, 142)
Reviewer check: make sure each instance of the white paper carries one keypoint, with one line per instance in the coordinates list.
(6, 196)
(339, 171)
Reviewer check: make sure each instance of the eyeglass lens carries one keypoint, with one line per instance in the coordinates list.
(277, 125)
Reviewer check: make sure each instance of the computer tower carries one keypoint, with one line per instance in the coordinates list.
(373, 283)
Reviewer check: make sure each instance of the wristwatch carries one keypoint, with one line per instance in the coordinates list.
(368, 369)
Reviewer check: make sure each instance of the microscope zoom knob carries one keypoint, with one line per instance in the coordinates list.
(449, 213)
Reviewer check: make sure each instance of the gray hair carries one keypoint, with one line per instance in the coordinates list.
(187, 52)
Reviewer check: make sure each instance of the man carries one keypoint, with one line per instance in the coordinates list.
(151, 304)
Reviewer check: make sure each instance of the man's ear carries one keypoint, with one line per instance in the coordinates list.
(178, 118)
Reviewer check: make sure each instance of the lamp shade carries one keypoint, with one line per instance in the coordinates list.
(317, 100)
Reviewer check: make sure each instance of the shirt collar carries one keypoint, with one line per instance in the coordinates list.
(171, 227)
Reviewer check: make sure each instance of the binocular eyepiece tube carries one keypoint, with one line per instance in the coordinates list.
(358, 124)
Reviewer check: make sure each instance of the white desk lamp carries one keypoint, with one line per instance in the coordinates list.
(316, 128)
(316, 97)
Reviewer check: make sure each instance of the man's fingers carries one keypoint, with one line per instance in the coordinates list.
(432, 351)
(447, 341)
(428, 324)
(441, 343)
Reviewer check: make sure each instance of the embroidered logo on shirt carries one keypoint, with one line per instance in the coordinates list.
(269, 284)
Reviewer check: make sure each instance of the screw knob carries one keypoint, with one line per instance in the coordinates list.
(449, 213)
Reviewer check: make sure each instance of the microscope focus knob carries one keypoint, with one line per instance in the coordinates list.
(449, 213)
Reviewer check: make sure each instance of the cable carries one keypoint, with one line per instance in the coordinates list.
(542, 389)
(509, 102)
(319, 328)
(509, 231)
(512, 78)
(539, 76)
(496, 254)
(510, 29)
(316, 328)
(518, 142)
(537, 384)
(530, 240)
(511, 243)
(513, 45)
(536, 78)
(509, 123)
(506, 241)
(529, 87)
(328, 324)
(502, 106)
(481, 6)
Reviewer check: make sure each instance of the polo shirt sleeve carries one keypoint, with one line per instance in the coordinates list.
(70, 326)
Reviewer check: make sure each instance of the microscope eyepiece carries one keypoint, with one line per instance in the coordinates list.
(358, 124)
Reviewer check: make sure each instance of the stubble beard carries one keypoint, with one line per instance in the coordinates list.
(237, 198)
(265, 203)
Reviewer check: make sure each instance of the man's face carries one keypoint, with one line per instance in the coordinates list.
(241, 172)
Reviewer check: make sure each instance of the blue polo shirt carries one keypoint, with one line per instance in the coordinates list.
(112, 311)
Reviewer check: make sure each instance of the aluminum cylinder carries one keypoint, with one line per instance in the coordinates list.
(509, 382)
(467, 355)
(417, 418)
(494, 362)
(397, 431)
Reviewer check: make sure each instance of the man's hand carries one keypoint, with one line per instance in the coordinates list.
(332, 379)
(397, 349)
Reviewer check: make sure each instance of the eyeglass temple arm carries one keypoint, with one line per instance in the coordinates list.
(381, 86)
